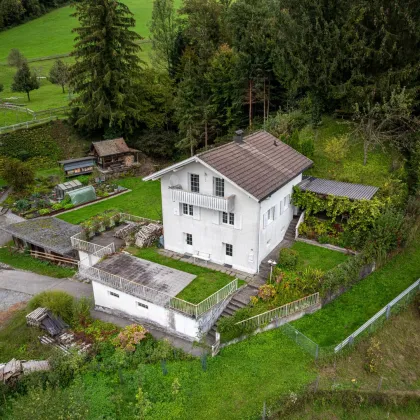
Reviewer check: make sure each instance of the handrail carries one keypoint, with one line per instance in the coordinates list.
(280, 312)
(300, 221)
(385, 310)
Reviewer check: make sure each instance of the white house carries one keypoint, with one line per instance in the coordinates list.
(231, 205)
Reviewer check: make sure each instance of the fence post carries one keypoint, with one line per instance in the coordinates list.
(317, 352)
(351, 339)
(388, 311)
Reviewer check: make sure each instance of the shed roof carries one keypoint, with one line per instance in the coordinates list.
(49, 233)
(260, 164)
(74, 160)
(338, 188)
(111, 147)
(158, 277)
(69, 186)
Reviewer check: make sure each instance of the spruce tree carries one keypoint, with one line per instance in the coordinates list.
(107, 66)
(24, 80)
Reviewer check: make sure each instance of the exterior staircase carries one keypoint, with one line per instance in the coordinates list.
(241, 299)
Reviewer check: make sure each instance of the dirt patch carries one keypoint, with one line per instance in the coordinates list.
(8, 313)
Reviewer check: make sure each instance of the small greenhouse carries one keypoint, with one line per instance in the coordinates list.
(62, 189)
(82, 195)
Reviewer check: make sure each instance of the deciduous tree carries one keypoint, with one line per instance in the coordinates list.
(59, 74)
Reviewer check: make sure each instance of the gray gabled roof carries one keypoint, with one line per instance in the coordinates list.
(338, 188)
(260, 164)
(112, 147)
(49, 233)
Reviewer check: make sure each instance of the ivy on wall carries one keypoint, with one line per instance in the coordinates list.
(360, 214)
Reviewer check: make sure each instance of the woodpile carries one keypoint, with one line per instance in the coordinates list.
(65, 342)
(148, 234)
(127, 230)
(15, 368)
(42, 318)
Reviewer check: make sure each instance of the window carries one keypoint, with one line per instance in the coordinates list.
(228, 218)
(219, 187)
(188, 209)
(142, 305)
(286, 202)
(269, 216)
(189, 239)
(229, 250)
(114, 294)
(195, 183)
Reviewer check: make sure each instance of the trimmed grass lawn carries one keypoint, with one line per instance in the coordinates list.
(317, 257)
(25, 262)
(376, 171)
(19, 341)
(352, 309)
(205, 284)
(144, 200)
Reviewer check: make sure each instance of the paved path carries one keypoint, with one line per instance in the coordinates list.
(30, 284)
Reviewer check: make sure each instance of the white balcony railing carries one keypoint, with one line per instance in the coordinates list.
(212, 202)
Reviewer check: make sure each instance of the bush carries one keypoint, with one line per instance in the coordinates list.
(58, 302)
(288, 258)
(22, 205)
(337, 148)
(81, 311)
(17, 174)
(130, 336)
(84, 179)
(267, 292)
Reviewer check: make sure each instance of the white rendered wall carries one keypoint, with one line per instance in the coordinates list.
(88, 259)
(274, 232)
(209, 234)
(157, 314)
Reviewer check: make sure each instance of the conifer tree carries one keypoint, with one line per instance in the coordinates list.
(24, 80)
(107, 66)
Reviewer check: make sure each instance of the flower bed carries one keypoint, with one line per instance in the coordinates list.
(101, 222)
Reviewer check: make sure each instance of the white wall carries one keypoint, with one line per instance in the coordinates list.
(273, 233)
(88, 259)
(126, 303)
(209, 234)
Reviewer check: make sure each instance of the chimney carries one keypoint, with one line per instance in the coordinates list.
(239, 136)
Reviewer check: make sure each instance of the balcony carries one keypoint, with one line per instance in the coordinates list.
(211, 202)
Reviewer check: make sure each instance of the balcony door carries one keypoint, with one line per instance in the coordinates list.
(228, 251)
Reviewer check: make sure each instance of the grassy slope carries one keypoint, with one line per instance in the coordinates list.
(376, 172)
(25, 262)
(144, 200)
(348, 312)
(205, 284)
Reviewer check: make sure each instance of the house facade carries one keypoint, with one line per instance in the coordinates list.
(231, 205)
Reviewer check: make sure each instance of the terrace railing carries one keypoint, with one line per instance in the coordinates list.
(125, 217)
(380, 316)
(154, 296)
(204, 200)
(89, 247)
(280, 312)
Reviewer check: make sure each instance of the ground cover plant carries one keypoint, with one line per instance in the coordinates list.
(144, 200)
(205, 284)
(23, 261)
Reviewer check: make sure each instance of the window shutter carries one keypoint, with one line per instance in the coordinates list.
(265, 220)
(216, 217)
(281, 208)
(196, 214)
(274, 212)
(238, 221)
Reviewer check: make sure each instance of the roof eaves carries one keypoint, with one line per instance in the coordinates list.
(159, 174)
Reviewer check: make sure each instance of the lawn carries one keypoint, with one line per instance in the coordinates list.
(340, 318)
(376, 171)
(317, 257)
(25, 262)
(205, 284)
(144, 200)
(19, 341)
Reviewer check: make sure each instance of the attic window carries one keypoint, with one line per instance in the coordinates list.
(219, 187)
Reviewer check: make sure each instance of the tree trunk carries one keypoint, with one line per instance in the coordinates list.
(264, 99)
(63, 88)
(365, 151)
(29, 99)
(250, 104)
(206, 134)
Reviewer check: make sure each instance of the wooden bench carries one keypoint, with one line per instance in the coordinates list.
(205, 256)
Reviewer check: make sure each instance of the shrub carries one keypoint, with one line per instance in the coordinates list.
(17, 174)
(43, 212)
(81, 311)
(288, 258)
(130, 336)
(22, 205)
(267, 292)
(337, 148)
(58, 302)
(84, 179)
(57, 206)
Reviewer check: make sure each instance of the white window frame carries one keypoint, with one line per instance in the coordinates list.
(218, 191)
(286, 202)
(271, 215)
(187, 209)
(113, 294)
(187, 236)
(229, 250)
(194, 184)
(230, 218)
(141, 305)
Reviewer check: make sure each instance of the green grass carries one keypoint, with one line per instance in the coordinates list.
(352, 309)
(317, 257)
(205, 284)
(25, 262)
(19, 341)
(376, 172)
(144, 200)
(3, 183)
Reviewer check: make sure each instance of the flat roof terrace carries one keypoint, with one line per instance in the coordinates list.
(155, 276)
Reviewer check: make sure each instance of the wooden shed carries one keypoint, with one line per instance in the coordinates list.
(114, 154)
(78, 166)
